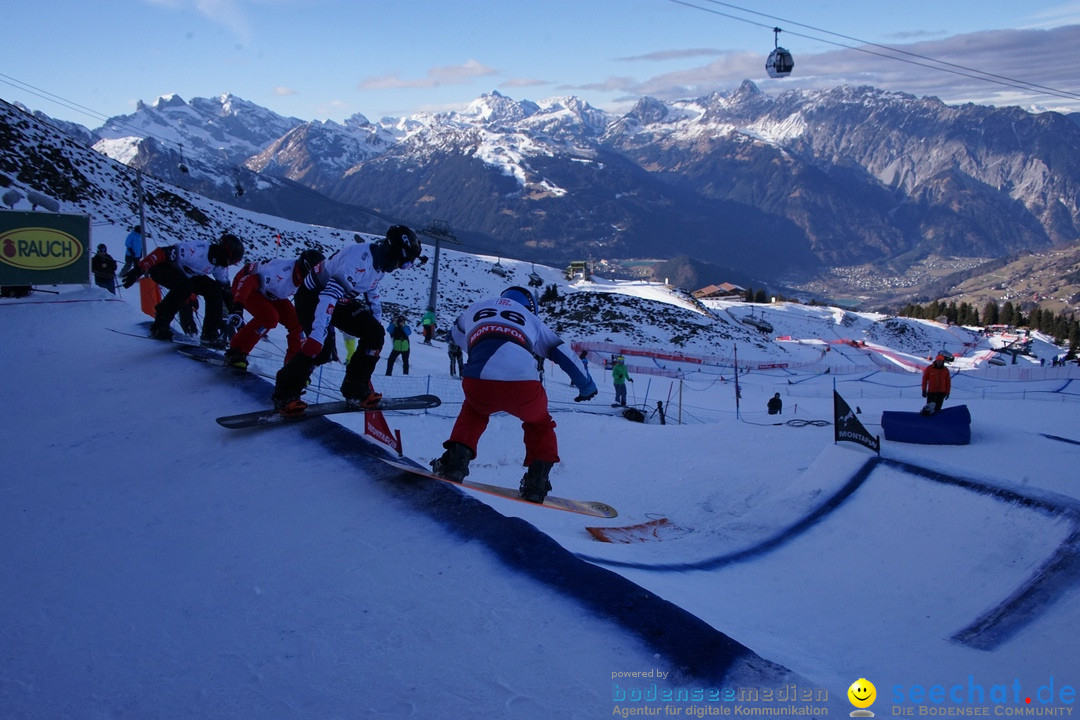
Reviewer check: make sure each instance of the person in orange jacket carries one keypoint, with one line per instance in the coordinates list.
(936, 385)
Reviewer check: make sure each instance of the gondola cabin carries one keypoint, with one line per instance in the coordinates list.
(780, 63)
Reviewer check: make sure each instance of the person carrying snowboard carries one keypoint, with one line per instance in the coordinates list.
(342, 292)
(503, 337)
(936, 385)
(186, 269)
(265, 290)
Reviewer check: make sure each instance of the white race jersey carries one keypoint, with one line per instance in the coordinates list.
(504, 339)
(348, 273)
(276, 278)
(194, 259)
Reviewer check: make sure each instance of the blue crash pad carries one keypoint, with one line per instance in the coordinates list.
(948, 426)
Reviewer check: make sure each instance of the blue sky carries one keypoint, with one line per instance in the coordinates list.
(330, 59)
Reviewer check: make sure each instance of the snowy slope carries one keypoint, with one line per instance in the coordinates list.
(160, 566)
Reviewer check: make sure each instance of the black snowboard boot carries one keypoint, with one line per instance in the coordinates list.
(161, 331)
(236, 359)
(454, 463)
(534, 484)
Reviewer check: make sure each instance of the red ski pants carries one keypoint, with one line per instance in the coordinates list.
(265, 315)
(524, 399)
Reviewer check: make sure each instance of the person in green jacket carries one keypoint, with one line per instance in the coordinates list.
(428, 323)
(399, 333)
(619, 375)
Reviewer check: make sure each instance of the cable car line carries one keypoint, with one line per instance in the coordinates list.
(940, 65)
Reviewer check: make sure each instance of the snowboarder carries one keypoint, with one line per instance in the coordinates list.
(503, 336)
(775, 404)
(936, 385)
(330, 298)
(265, 290)
(188, 268)
(620, 376)
(103, 266)
(399, 332)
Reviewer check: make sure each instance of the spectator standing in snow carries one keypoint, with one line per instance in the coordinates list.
(936, 384)
(620, 376)
(133, 248)
(428, 324)
(103, 266)
(399, 333)
(457, 363)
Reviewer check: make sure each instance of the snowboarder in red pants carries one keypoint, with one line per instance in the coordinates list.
(264, 289)
(503, 337)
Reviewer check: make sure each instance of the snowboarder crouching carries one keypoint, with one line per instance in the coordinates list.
(265, 290)
(330, 298)
(188, 268)
(502, 337)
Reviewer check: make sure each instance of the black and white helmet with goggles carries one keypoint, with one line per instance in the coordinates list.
(402, 248)
(228, 250)
(305, 264)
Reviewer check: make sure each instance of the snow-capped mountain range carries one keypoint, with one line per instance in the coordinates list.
(762, 189)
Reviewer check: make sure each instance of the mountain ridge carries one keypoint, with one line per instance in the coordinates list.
(768, 190)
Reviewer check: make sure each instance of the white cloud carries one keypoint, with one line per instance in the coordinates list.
(436, 77)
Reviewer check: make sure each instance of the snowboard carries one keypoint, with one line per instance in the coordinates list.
(204, 355)
(265, 418)
(582, 507)
(177, 338)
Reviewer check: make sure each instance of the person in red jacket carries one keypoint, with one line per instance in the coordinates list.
(936, 385)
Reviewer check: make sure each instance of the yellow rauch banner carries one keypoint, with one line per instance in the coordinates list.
(39, 248)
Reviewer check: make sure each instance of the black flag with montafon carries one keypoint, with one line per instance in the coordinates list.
(847, 426)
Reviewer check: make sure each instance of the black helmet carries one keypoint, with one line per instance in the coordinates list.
(228, 250)
(402, 248)
(521, 295)
(305, 263)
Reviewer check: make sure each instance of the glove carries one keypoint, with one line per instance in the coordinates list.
(924, 393)
(310, 347)
(131, 276)
(587, 393)
(630, 379)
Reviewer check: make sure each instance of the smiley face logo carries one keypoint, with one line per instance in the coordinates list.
(862, 693)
